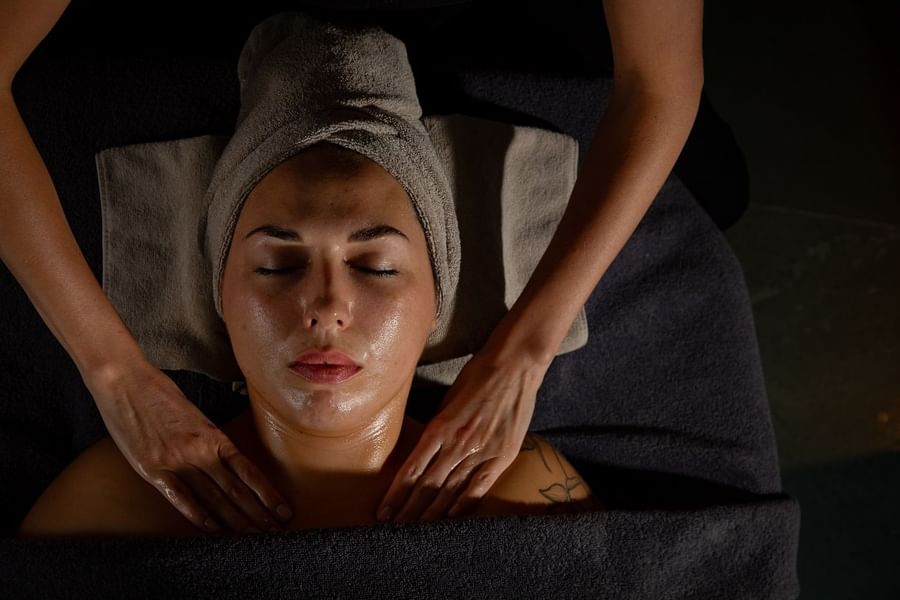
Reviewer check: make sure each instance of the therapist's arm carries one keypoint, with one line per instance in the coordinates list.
(166, 438)
(36, 243)
(658, 77)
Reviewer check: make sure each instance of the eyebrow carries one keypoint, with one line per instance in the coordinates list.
(365, 234)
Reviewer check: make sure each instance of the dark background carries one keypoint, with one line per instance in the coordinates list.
(811, 90)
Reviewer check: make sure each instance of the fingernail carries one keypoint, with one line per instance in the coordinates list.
(453, 511)
(284, 512)
(211, 525)
(385, 513)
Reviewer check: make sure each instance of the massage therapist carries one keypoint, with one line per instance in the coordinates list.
(658, 77)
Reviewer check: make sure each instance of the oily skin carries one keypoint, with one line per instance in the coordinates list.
(333, 447)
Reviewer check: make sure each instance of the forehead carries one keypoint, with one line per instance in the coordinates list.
(318, 185)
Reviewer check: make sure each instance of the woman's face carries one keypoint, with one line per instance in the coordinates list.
(370, 296)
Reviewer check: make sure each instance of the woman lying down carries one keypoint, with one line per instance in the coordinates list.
(328, 264)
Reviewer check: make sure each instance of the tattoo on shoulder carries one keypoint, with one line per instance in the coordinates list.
(558, 493)
(531, 443)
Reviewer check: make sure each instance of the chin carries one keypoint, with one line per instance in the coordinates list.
(327, 409)
(331, 410)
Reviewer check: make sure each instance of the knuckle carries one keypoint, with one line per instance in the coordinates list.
(430, 483)
(465, 431)
(473, 492)
(228, 452)
(169, 484)
(455, 480)
(193, 444)
(241, 467)
(436, 430)
(171, 495)
(159, 479)
(430, 437)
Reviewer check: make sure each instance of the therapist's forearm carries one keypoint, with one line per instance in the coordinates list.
(635, 146)
(39, 249)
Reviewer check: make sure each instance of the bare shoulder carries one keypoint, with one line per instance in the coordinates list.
(100, 494)
(540, 481)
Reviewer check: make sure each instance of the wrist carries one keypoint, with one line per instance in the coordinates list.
(511, 343)
(102, 373)
(105, 348)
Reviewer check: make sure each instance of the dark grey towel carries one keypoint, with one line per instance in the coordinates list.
(743, 551)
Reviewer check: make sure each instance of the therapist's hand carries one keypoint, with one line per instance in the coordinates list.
(173, 446)
(475, 436)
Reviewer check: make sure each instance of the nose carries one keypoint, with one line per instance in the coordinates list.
(327, 305)
(327, 318)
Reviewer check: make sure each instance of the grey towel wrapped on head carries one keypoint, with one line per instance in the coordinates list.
(488, 195)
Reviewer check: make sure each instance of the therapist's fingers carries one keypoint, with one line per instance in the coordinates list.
(242, 497)
(456, 481)
(183, 499)
(428, 486)
(273, 501)
(407, 476)
(483, 478)
(215, 501)
(420, 495)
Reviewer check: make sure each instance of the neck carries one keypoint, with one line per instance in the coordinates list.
(341, 474)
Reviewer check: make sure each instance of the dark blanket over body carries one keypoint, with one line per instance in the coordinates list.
(664, 412)
(616, 554)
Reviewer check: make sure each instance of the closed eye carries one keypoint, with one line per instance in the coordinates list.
(273, 272)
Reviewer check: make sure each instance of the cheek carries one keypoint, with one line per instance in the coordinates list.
(265, 327)
(379, 332)
(254, 328)
(396, 328)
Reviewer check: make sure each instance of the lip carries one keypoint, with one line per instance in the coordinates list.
(324, 366)
(323, 357)
(325, 373)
